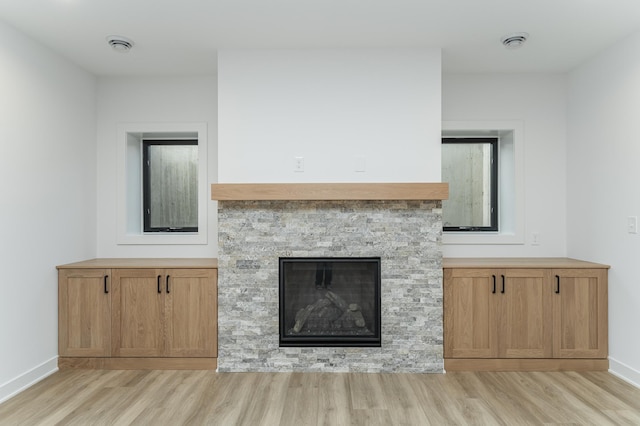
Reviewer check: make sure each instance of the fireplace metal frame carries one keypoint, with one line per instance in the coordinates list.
(334, 340)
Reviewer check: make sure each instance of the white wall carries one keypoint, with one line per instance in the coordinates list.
(538, 101)
(47, 159)
(329, 107)
(150, 100)
(603, 176)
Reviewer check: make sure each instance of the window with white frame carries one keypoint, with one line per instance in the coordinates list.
(162, 183)
(510, 181)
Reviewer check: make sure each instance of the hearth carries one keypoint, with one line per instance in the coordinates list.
(329, 301)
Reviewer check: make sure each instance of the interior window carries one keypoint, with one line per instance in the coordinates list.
(470, 166)
(170, 185)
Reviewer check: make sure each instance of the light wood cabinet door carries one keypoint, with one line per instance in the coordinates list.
(191, 313)
(84, 312)
(580, 313)
(165, 313)
(470, 313)
(525, 323)
(138, 312)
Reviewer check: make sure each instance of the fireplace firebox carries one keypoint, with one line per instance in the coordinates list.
(330, 302)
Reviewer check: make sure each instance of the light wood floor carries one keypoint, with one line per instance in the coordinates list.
(100, 397)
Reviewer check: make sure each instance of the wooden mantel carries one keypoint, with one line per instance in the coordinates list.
(328, 191)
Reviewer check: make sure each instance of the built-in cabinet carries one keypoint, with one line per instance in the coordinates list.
(525, 314)
(138, 313)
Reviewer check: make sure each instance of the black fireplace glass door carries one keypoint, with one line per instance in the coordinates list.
(329, 301)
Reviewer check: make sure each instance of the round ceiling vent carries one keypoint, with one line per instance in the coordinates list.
(515, 40)
(119, 43)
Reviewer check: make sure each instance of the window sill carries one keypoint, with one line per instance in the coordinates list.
(161, 238)
(463, 238)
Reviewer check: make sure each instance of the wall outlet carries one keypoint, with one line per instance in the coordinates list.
(360, 164)
(298, 164)
(632, 224)
(535, 238)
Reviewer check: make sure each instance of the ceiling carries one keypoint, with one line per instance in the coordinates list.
(181, 37)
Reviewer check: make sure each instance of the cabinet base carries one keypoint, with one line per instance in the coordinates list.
(138, 363)
(492, 364)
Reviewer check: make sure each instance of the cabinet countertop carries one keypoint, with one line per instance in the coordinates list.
(151, 263)
(447, 262)
(519, 262)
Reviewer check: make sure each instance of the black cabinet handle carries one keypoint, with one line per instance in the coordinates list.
(557, 284)
(494, 284)
(168, 289)
(106, 289)
(159, 289)
(502, 291)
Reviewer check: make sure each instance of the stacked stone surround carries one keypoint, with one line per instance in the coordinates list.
(406, 235)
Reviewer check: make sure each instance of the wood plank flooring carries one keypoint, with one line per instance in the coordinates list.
(133, 397)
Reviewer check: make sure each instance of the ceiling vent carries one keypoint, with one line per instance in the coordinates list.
(515, 40)
(119, 43)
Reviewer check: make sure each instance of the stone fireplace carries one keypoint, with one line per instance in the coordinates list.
(258, 228)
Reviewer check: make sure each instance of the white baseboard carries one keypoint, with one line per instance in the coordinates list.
(15, 386)
(623, 371)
